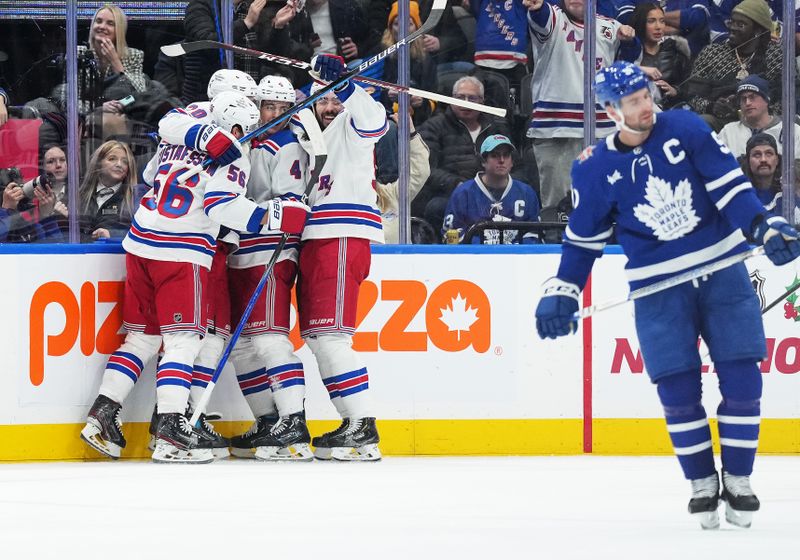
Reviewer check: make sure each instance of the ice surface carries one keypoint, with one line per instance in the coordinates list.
(450, 508)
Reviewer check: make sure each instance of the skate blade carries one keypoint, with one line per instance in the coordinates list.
(243, 453)
(151, 445)
(323, 453)
(167, 453)
(91, 435)
(709, 520)
(738, 518)
(364, 453)
(299, 452)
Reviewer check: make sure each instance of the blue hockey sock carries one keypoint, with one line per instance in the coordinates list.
(687, 423)
(739, 414)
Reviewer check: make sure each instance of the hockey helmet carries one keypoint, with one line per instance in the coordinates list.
(231, 108)
(276, 88)
(231, 80)
(614, 82)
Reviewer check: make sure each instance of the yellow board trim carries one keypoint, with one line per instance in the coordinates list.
(628, 436)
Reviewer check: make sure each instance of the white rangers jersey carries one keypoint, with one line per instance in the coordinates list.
(345, 204)
(557, 83)
(278, 168)
(178, 221)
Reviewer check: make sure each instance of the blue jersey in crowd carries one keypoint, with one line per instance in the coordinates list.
(678, 201)
(472, 202)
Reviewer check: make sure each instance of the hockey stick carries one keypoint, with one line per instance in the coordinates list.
(433, 19)
(179, 49)
(782, 297)
(314, 132)
(671, 282)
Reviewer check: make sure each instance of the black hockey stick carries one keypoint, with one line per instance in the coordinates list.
(320, 156)
(180, 49)
(782, 297)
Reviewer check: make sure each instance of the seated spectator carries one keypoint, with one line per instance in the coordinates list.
(557, 89)
(493, 195)
(55, 168)
(687, 20)
(453, 137)
(388, 194)
(501, 38)
(17, 223)
(664, 59)
(719, 67)
(422, 70)
(3, 107)
(263, 27)
(762, 165)
(106, 193)
(753, 96)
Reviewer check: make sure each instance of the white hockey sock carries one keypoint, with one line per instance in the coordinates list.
(174, 374)
(125, 365)
(284, 371)
(343, 374)
(204, 366)
(251, 374)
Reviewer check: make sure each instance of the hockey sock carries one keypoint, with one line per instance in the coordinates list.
(174, 373)
(687, 423)
(251, 374)
(739, 414)
(204, 366)
(125, 366)
(284, 371)
(343, 374)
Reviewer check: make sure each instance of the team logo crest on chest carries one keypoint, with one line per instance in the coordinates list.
(669, 212)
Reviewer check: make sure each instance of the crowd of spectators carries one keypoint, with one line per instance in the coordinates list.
(721, 59)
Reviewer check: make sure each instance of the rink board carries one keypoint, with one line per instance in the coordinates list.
(446, 333)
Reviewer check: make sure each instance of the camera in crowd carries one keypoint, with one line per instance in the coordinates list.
(10, 175)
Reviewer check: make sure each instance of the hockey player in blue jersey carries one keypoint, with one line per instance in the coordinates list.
(493, 195)
(677, 200)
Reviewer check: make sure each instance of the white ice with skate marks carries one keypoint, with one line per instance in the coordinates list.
(576, 507)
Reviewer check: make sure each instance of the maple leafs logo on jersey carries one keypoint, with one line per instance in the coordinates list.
(670, 213)
(614, 177)
(458, 316)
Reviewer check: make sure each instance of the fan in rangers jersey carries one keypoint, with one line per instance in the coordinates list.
(170, 248)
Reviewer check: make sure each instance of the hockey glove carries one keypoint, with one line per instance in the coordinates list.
(328, 67)
(220, 146)
(555, 314)
(288, 216)
(780, 240)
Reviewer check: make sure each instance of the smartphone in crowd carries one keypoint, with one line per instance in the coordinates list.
(125, 101)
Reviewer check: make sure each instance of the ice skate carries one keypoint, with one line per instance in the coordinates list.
(287, 440)
(177, 442)
(103, 430)
(211, 439)
(244, 446)
(705, 501)
(152, 429)
(355, 440)
(740, 501)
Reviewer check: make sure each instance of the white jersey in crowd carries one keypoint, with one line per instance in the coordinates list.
(278, 168)
(344, 204)
(736, 134)
(557, 83)
(179, 221)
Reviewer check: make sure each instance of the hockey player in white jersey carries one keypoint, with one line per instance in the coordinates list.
(335, 258)
(169, 249)
(270, 374)
(677, 200)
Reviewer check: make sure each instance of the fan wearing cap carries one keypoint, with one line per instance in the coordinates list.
(676, 199)
(493, 195)
(753, 96)
(762, 165)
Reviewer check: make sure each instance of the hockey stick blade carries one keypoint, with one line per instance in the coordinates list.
(687, 276)
(179, 49)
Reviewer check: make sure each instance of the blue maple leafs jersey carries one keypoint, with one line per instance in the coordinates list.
(678, 201)
(471, 202)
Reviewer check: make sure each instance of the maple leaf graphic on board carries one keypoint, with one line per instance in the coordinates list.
(457, 316)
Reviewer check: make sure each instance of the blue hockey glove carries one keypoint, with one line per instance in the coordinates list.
(555, 314)
(780, 240)
(328, 67)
